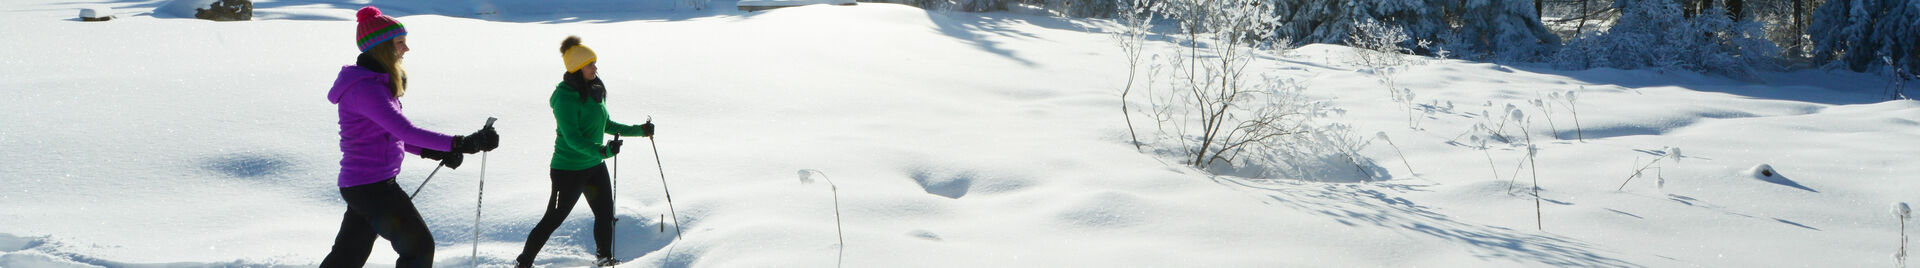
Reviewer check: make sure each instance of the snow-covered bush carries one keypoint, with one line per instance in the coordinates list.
(1325, 151)
(1377, 46)
(1652, 34)
(1858, 33)
(205, 9)
(226, 10)
(1377, 49)
(1217, 107)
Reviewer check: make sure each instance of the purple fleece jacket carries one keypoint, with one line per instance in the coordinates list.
(372, 130)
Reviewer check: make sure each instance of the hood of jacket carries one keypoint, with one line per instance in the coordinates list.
(365, 68)
(350, 75)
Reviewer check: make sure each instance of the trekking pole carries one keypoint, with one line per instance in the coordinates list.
(478, 197)
(423, 184)
(614, 195)
(616, 179)
(663, 183)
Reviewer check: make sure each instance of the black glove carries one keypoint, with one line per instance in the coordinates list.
(492, 140)
(483, 140)
(449, 159)
(646, 130)
(613, 148)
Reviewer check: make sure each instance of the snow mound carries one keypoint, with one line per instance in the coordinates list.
(95, 12)
(1764, 172)
(180, 9)
(1106, 210)
(954, 183)
(37, 259)
(10, 242)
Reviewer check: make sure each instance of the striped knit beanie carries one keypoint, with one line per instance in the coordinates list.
(376, 28)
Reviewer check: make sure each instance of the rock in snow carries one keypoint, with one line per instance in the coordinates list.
(181, 8)
(96, 13)
(1763, 172)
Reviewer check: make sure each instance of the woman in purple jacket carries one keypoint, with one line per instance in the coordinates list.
(373, 134)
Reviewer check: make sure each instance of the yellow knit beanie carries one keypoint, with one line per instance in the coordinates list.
(578, 57)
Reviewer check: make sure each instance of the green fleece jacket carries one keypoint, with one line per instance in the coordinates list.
(577, 143)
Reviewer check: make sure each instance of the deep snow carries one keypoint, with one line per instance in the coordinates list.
(956, 140)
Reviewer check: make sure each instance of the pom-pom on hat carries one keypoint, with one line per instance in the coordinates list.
(376, 28)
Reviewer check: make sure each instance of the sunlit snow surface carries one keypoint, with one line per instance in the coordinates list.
(956, 140)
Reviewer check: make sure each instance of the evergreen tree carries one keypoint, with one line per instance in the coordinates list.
(1863, 34)
(1502, 29)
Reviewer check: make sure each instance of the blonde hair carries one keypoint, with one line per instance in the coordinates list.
(384, 54)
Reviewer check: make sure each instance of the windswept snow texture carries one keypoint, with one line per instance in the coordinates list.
(955, 140)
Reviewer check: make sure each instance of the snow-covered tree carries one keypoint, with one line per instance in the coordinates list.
(1329, 21)
(980, 5)
(1504, 29)
(1864, 33)
(1092, 8)
(954, 5)
(1499, 29)
(694, 4)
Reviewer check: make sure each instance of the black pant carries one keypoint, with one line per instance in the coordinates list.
(568, 185)
(384, 210)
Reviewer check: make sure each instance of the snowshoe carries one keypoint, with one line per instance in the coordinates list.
(606, 262)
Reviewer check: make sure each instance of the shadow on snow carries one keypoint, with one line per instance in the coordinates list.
(1370, 205)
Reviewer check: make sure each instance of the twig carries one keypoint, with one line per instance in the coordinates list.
(804, 173)
(1571, 98)
(1538, 221)
(1636, 173)
(1396, 149)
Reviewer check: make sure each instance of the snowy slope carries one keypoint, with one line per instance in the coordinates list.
(956, 140)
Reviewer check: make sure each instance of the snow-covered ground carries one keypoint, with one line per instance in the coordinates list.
(961, 140)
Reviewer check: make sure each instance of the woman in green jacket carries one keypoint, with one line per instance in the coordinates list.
(578, 165)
